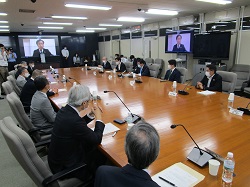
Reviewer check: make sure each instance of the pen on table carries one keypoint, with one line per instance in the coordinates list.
(172, 184)
(100, 109)
(114, 133)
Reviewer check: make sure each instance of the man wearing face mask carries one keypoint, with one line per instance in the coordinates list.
(120, 66)
(31, 67)
(21, 79)
(65, 56)
(105, 63)
(142, 68)
(72, 141)
(211, 81)
(172, 73)
(41, 111)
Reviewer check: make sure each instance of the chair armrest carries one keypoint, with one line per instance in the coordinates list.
(35, 129)
(42, 143)
(61, 174)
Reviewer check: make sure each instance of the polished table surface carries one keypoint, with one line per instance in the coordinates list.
(207, 119)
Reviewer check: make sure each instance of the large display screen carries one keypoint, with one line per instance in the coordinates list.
(215, 45)
(33, 46)
(179, 42)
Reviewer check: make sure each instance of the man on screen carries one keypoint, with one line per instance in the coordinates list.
(178, 47)
(41, 49)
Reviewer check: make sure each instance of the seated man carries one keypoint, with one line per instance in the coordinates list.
(211, 81)
(172, 73)
(105, 63)
(72, 141)
(21, 79)
(142, 68)
(41, 110)
(17, 66)
(133, 60)
(29, 89)
(31, 67)
(120, 66)
(142, 146)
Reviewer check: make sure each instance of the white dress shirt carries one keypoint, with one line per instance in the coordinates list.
(65, 53)
(3, 59)
(209, 80)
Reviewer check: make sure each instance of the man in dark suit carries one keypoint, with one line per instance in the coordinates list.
(142, 68)
(41, 50)
(72, 141)
(105, 63)
(142, 146)
(31, 67)
(133, 60)
(178, 47)
(172, 73)
(30, 89)
(120, 66)
(211, 81)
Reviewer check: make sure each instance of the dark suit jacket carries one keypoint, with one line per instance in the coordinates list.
(72, 140)
(36, 53)
(122, 67)
(215, 84)
(134, 61)
(107, 65)
(145, 70)
(27, 93)
(175, 76)
(123, 177)
(180, 49)
(30, 70)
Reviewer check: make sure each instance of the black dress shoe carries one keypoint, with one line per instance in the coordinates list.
(1, 98)
(3, 93)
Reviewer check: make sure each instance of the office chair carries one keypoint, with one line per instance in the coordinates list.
(7, 87)
(243, 74)
(13, 82)
(184, 73)
(154, 70)
(229, 80)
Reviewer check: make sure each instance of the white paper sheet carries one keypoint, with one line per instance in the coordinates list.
(206, 92)
(109, 128)
(62, 90)
(178, 174)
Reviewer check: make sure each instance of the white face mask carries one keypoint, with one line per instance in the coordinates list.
(32, 66)
(207, 74)
(26, 67)
(117, 63)
(169, 67)
(139, 66)
(26, 75)
(104, 61)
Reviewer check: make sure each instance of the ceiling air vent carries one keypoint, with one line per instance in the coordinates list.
(26, 11)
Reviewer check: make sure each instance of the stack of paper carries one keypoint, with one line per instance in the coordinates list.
(109, 128)
(206, 92)
(178, 175)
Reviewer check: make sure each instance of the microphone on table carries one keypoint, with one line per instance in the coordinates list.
(121, 75)
(135, 118)
(245, 110)
(183, 92)
(75, 80)
(65, 79)
(197, 155)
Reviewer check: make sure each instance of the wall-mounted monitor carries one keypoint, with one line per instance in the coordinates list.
(179, 41)
(33, 46)
(214, 45)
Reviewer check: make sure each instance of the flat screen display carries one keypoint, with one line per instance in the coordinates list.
(212, 45)
(179, 42)
(33, 46)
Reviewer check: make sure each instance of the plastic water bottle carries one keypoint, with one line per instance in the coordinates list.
(174, 86)
(129, 118)
(231, 100)
(228, 169)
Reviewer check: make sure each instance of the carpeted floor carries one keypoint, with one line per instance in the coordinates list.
(12, 174)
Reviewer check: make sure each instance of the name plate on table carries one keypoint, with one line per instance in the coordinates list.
(172, 94)
(236, 112)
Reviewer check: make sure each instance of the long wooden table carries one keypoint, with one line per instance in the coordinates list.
(207, 118)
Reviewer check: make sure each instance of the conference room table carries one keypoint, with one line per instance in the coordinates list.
(207, 118)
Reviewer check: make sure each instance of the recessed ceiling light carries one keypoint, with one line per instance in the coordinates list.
(42, 27)
(131, 19)
(4, 22)
(246, 26)
(96, 28)
(2, 1)
(109, 25)
(161, 12)
(4, 30)
(221, 25)
(68, 17)
(3, 14)
(2, 26)
(56, 23)
(221, 2)
(85, 30)
(89, 6)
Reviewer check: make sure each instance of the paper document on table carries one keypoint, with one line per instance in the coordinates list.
(178, 174)
(206, 92)
(109, 128)
(53, 82)
(62, 90)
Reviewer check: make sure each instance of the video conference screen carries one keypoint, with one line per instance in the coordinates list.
(33, 46)
(179, 42)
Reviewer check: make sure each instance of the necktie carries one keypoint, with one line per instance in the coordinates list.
(170, 72)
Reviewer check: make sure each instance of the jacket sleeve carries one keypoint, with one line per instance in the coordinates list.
(48, 111)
